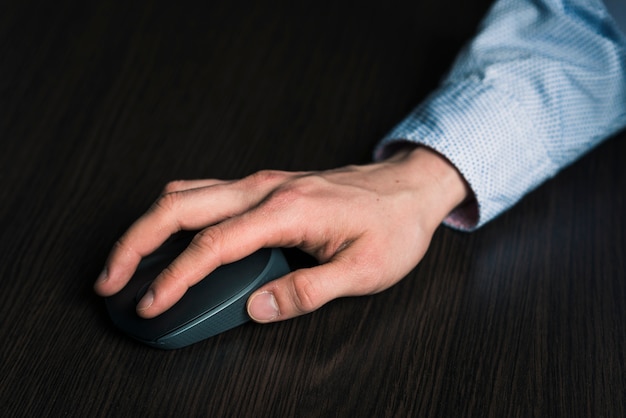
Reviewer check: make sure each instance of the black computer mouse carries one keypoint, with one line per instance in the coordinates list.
(216, 304)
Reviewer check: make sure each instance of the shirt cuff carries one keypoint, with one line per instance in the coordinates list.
(478, 129)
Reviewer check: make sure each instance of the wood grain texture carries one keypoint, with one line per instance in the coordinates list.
(101, 104)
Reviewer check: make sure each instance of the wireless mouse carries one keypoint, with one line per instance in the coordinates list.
(215, 304)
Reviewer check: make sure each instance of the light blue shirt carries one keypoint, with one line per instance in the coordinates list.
(543, 82)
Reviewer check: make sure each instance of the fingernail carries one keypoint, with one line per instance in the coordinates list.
(146, 300)
(263, 307)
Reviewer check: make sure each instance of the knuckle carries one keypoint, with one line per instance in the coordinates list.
(298, 190)
(121, 246)
(306, 298)
(207, 241)
(172, 280)
(173, 186)
(353, 167)
(285, 196)
(266, 176)
(167, 202)
(288, 203)
(170, 274)
(165, 211)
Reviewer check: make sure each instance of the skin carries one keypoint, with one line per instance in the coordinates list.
(368, 226)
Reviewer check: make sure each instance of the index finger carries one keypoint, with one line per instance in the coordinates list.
(185, 209)
(224, 243)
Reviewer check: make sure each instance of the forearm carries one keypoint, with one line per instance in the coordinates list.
(542, 83)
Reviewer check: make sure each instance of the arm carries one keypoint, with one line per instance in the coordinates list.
(499, 118)
(542, 83)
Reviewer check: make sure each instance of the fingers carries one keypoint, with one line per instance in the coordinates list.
(306, 290)
(189, 205)
(187, 209)
(224, 243)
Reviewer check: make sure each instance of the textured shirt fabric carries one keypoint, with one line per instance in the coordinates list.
(542, 83)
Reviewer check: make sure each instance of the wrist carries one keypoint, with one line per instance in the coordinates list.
(440, 186)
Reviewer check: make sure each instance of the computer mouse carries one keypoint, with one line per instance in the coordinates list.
(215, 304)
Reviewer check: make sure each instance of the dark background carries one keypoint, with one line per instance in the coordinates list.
(102, 103)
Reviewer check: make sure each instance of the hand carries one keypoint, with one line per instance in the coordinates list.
(368, 226)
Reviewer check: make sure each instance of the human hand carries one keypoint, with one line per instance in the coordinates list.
(368, 226)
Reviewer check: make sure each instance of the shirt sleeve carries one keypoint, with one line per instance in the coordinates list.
(543, 82)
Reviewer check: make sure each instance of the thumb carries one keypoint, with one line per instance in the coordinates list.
(303, 291)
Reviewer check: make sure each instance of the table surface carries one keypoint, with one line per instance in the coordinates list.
(102, 104)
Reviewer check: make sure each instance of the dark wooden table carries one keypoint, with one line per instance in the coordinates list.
(101, 104)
